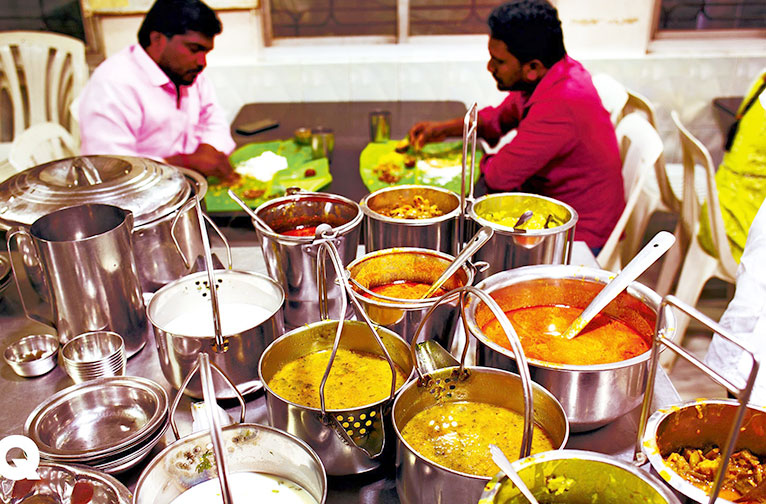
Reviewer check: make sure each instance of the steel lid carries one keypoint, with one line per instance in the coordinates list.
(147, 188)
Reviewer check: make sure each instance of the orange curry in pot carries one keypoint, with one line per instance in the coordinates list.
(541, 310)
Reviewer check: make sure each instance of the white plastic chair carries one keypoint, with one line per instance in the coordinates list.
(613, 95)
(41, 73)
(698, 265)
(41, 143)
(644, 148)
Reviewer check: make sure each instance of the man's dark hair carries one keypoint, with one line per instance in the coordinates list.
(176, 17)
(531, 29)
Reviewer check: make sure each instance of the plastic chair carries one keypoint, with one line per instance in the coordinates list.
(41, 143)
(41, 73)
(613, 95)
(644, 148)
(698, 265)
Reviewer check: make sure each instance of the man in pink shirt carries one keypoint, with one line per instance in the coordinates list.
(565, 146)
(151, 100)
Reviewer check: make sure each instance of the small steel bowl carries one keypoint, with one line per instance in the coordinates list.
(32, 355)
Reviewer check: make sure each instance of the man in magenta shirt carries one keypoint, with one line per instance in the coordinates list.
(151, 100)
(565, 146)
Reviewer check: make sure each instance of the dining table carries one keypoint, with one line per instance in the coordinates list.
(22, 395)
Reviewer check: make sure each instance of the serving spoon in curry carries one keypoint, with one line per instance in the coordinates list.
(499, 458)
(647, 256)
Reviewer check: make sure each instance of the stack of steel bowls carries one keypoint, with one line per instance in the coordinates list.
(109, 424)
(94, 355)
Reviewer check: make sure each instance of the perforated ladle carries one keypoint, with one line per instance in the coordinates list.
(653, 250)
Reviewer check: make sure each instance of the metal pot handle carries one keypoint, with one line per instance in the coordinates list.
(27, 312)
(470, 130)
(212, 224)
(513, 338)
(185, 384)
(741, 393)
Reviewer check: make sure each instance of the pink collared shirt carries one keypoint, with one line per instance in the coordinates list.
(566, 148)
(129, 107)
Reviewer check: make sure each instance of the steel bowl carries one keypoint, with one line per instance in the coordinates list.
(577, 476)
(699, 424)
(97, 418)
(32, 355)
(249, 448)
(435, 233)
(421, 481)
(404, 315)
(592, 395)
(510, 248)
(93, 355)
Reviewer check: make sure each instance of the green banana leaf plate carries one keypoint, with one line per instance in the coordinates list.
(437, 164)
(302, 171)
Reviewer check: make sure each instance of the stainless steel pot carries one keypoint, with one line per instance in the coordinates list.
(593, 395)
(403, 316)
(435, 233)
(155, 193)
(251, 317)
(339, 456)
(586, 477)
(292, 260)
(511, 248)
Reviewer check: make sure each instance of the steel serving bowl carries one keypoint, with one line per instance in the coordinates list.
(577, 476)
(422, 481)
(435, 233)
(32, 355)
(97, 418)
(592, 395)
(700, 424)
(510, 248)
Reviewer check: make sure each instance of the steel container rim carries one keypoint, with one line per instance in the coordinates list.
(372, 214)
(562, 272)
(507, 230)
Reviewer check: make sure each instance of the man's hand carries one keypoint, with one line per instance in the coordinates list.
(431, 131)
(208, 161)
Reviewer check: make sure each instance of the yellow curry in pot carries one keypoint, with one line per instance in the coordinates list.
(457, 435)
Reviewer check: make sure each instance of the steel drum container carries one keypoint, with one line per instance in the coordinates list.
(435, 233)
(339, 455)
(700, 424)
(576, 476)
(403, 315)
(592, 395)
(510, 248)
(251, 318)
(292, 260)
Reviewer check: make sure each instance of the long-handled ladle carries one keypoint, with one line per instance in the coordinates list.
(653, 250)
(249, 211)
(499, 458)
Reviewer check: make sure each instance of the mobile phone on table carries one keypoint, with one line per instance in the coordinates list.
(254, 127)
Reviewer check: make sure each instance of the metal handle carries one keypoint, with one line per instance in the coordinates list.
(183, 210)
(82, 166)
(27, 312)
(741, 393)
(516, 348)
(470, 130)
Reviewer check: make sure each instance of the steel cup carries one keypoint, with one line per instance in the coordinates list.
(322, 143)
(380, 126)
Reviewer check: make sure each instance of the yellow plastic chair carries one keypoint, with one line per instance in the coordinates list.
(41, 73)
(698, 265)
(643, 150)
(39, 144)
(613, 95)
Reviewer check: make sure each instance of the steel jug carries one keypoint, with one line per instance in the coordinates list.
(89, 271)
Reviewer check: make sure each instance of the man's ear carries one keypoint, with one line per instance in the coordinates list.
(157, 39)
(532, 71)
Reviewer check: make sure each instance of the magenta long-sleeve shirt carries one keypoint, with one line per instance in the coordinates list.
(565, 148)
(130, 107)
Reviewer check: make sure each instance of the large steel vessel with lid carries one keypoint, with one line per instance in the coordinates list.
(166, 231)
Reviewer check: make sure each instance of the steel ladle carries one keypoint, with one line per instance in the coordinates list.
(249, 211)
(653, 250)
(499, 458)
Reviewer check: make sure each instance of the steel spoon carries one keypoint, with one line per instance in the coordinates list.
(499, 458)
(523, 218)
(653, 250)
(249, 211)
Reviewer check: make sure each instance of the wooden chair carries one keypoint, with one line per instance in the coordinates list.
(613, 95)
(41, 143)
(644, 149)
(698, 265)
(41, 73)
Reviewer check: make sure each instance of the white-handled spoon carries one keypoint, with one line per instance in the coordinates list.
(499, 458)
(653, 250)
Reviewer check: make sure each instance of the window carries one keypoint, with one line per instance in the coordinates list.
(711, 14)
(61, 16)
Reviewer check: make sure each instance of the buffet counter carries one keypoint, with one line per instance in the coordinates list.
(22, 395)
